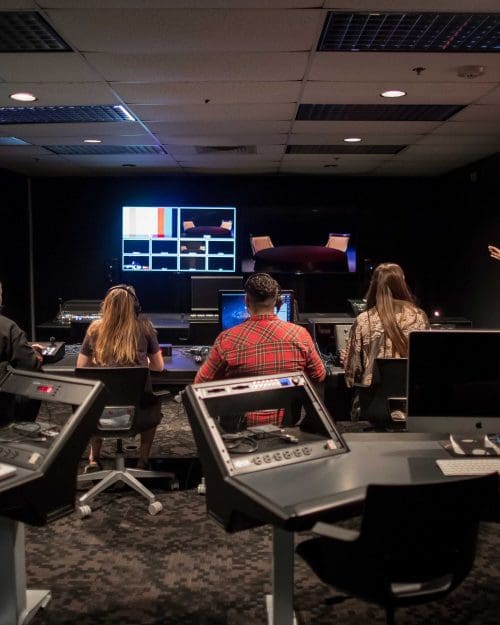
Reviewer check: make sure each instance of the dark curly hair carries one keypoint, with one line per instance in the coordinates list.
(262, 288)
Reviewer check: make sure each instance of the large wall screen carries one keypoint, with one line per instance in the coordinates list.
(179, 238)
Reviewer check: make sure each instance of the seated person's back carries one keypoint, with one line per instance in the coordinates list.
(382, 330)
(262, 344)
(122, 338)
(16, 352)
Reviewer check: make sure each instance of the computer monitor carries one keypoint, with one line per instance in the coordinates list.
(232, 309)
(205, 291)
(454, 382)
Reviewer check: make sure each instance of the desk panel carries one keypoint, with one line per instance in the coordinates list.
(295, 497)
(179, 369)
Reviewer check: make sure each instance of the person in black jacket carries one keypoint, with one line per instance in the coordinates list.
(19, 354)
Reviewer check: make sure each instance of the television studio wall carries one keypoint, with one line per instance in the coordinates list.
(412, 221)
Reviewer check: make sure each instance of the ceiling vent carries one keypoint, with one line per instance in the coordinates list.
(63, 114)
(105, 150)
(226, 149)
(410, 32)
(28, 31)
(377, 112)
(344, 149)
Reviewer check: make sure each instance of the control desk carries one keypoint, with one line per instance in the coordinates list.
(181, 366)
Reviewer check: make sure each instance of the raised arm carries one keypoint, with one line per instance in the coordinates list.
(494, 252)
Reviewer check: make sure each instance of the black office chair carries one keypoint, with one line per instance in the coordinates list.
(416, 543)
(128, 396)
(389, 381)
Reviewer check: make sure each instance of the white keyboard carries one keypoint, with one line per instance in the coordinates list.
(468, 466)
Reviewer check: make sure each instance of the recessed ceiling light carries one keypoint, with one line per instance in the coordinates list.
(352, 139)
(393, 93)
(92, 140)
(23, 97)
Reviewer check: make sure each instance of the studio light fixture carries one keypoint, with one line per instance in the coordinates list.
(23, 97)
(352, 139)
(393, 93)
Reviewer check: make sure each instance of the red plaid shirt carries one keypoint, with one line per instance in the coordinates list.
(262, 345)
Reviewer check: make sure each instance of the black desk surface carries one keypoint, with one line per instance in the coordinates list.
(298, 495)
(180, 368)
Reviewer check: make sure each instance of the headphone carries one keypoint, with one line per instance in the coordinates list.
(279, 298)
(130, 291)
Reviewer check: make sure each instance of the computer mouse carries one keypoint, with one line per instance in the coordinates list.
(478, 452)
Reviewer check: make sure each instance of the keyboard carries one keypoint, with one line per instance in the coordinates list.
(204, 317)
(469, 466)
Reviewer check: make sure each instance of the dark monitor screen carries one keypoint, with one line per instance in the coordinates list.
(233, 311)
(205, 290)
(454, 381)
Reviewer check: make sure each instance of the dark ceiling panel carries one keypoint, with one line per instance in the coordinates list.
(93, 150)
(410, 32)
(63, 114)
(344, 149)
(27, 31)
(377, 112)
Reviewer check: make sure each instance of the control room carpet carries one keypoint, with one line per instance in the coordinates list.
(121, 566)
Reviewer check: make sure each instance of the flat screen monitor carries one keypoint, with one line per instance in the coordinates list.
(205, 290)
(196, 239)
(232, 309)
(454, 381)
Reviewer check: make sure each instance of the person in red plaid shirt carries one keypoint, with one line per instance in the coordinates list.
(262, 345)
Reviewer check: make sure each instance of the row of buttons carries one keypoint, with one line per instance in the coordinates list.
(266, 383)
(279, 456)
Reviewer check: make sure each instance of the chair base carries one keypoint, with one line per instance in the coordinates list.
(129, 477)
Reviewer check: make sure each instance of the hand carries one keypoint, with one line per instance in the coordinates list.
(37, 348)
(494, 252)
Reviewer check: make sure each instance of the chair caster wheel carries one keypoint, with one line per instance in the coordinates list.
(155, 507)
(202, 489)
(174, 485)
(84, 511)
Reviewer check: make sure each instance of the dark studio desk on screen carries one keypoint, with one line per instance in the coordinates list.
(300, 258)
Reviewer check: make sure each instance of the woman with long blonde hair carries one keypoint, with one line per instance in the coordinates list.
(122, 338)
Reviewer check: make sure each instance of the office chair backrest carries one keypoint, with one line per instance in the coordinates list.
(420, 531)
(260, 243)
(338, 241)
(389, 380)
(123, 385)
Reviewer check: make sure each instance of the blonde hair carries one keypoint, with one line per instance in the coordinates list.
(388, 293)
(115, 336)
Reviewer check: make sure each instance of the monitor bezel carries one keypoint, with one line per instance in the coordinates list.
(207, 279)
(474, 424)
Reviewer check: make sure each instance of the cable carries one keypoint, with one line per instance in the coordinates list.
(26, 428)
(240, 444)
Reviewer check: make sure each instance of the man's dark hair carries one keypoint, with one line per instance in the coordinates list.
(262, 287)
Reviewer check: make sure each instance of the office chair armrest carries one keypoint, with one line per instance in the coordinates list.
(335, 531)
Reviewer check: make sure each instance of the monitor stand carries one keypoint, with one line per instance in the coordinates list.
(463, 445)
(17, 605)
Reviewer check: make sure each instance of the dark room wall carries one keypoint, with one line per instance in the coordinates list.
(14, 248)
(78, 229)
(469, 219)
